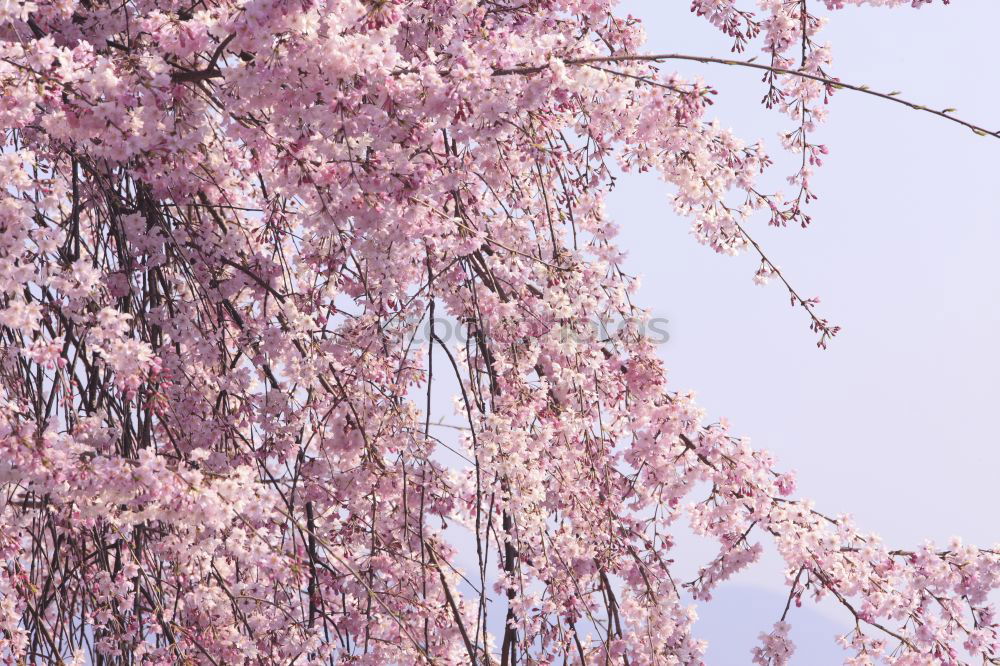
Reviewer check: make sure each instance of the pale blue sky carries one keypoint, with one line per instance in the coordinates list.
(893, 423)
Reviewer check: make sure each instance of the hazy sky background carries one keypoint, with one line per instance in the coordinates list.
(893, 423)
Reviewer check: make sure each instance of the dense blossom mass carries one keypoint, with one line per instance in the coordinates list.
(224, 225)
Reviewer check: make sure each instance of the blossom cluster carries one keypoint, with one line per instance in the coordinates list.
(222, 226)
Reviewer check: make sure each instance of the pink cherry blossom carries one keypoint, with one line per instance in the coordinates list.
(224, 227)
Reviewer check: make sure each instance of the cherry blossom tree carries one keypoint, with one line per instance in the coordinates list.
(224, 226)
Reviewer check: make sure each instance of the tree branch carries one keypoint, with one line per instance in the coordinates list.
(660, 57)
